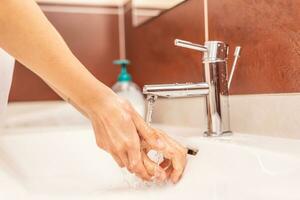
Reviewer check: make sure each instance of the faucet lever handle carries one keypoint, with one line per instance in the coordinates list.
(237, 54)
(190, 45)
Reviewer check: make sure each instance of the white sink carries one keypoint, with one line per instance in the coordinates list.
(64, 163)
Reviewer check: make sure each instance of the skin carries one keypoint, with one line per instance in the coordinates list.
(28, 36)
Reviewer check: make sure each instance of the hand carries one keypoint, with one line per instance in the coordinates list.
(174, 153)
(174, 161)
(116, 131)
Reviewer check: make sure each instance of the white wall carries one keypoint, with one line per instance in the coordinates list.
(6, 70)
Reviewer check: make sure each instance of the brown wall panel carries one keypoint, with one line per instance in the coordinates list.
(93, 38)
(268, 31)
(26, 86)
(151, 48)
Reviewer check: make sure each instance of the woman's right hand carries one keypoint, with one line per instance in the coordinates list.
(119, 130)
(116, 132)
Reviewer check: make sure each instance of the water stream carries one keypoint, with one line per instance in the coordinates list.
(149, 109)
(132, 181)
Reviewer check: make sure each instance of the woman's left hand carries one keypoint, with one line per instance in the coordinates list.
(174, 153)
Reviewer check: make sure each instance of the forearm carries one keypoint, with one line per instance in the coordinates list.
(27, 35)
(64, 97)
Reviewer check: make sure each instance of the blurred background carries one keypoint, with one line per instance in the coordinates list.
(143, 31)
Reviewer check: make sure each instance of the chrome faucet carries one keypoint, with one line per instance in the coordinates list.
(214, 89)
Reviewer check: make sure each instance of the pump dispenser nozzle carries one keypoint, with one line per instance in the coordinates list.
(124, 76)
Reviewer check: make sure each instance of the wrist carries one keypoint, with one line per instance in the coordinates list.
(97, 98)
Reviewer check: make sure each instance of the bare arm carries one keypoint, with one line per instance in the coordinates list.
(26, 34)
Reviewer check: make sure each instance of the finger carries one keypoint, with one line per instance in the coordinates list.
(165, 164)
(169, 171)
(145, 146)
(173, 165)
(172, 145)
(146, 132)
(178, 163)
(149, 164)
(177, 154)
(136, 164)
(118, 160)
(142, 172)
(153, 168)
(124, 159)
(168, 139)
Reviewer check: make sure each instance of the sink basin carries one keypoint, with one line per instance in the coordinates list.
(64, 163)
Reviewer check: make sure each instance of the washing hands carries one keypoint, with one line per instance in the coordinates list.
(119, 130)
(123, 133)
(168, 163)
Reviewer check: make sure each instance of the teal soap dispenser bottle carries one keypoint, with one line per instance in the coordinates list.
(127, 89)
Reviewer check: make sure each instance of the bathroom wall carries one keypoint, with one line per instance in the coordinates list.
(265, 89)
(151, 49)
(268, 31)
(92, 33)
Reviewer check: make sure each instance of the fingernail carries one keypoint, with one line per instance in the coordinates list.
(160, 143)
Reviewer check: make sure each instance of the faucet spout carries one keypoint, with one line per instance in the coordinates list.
(190, 45)
(177, 90)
